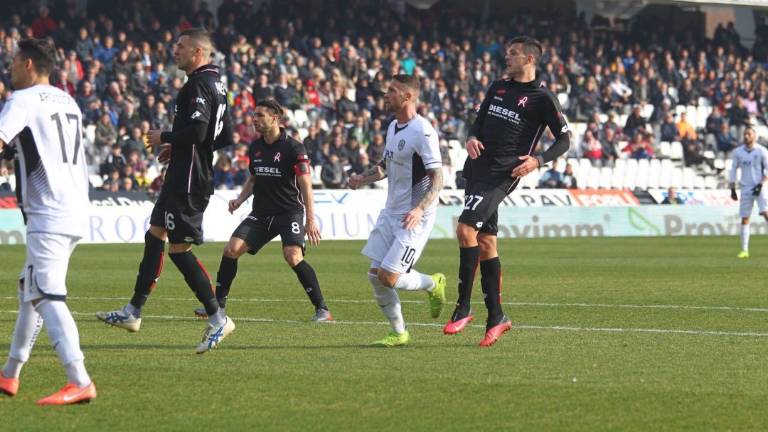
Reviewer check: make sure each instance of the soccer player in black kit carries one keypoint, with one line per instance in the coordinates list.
(501, 143)
(200, 126)
(281, 186)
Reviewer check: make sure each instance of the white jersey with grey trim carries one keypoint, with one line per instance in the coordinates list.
(45, 125)
(410, 150)
(752, 163)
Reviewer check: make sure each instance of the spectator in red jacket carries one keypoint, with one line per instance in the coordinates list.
(43, 25)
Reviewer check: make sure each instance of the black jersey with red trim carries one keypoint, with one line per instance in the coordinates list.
(202, 101)
(510, 123)
(274, 168)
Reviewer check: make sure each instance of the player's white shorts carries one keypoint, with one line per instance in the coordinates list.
(747, 202)
(396, 248)
(45, 270)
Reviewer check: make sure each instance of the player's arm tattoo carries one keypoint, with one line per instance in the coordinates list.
(436, 185)
(375, 173)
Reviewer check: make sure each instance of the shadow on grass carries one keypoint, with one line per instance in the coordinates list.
(271, 347)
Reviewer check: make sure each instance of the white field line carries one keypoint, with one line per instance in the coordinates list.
(417, 324)
(529, 304)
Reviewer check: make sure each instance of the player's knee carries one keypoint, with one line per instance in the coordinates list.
(177, 248)
(487, 246)
(744, 221)
(292, 256)
(159, 232)
(466, 234)
(388, 279)
(234, 251)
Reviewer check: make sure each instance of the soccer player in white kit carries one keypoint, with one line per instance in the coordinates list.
(752, 160)
(45, 126)
(413, 167)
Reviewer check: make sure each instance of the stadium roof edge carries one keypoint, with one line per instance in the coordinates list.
(748, 3)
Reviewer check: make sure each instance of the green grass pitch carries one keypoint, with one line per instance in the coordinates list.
(610, 334)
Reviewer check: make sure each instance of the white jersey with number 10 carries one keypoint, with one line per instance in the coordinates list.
(410, 151)
(45, 125)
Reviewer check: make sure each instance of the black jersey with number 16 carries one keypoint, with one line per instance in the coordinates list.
(201, 103)
(510, 123)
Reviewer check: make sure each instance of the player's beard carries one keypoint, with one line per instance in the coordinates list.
(508, 73)
(180, 63)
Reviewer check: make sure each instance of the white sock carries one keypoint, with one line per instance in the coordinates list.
(218, 319)
(65, 339)
(414, 281)
(76, 373)
(745, 237)
(389, 302)
(28, 326)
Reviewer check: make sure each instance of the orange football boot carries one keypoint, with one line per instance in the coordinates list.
(70, 394)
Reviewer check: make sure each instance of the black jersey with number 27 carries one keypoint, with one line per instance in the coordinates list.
(509, 123)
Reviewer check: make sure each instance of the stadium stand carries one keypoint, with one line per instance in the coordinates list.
(330, 73)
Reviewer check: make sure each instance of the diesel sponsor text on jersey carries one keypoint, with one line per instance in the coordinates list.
(509, 123)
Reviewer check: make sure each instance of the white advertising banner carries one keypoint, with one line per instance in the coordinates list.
(346, 215)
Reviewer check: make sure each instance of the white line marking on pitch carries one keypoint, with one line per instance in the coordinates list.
(417, 324)
(530, 304)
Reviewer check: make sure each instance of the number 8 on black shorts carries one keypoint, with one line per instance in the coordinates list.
(257, 231)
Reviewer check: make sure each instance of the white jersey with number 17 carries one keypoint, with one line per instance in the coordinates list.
(45, 125)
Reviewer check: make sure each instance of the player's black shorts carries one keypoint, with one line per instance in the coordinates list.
(181, 215)
(260, 230)
(481, 204)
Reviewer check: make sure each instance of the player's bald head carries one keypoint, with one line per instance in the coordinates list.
(199, 38)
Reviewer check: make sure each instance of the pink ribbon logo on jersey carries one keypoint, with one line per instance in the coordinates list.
(522, 101)
(277, 157)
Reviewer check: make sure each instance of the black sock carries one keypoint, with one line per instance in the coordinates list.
(490, 271)
(149, 270)
(197, 278)
(224, 278)
(308, 280)
(467, 267)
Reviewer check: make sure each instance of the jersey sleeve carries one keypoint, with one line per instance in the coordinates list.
(734, 166)
(200, 101)
(13, 119)
(477, 125)
(764, 163)
(553, 116)
(428, 148)
(300, 159)
(251, 156)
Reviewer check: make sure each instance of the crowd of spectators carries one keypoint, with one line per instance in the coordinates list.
(332, 65)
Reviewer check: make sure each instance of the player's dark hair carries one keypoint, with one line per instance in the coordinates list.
(41, 52)
(200, 36)
(410, 81)
(531, 46)
(271, 105)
